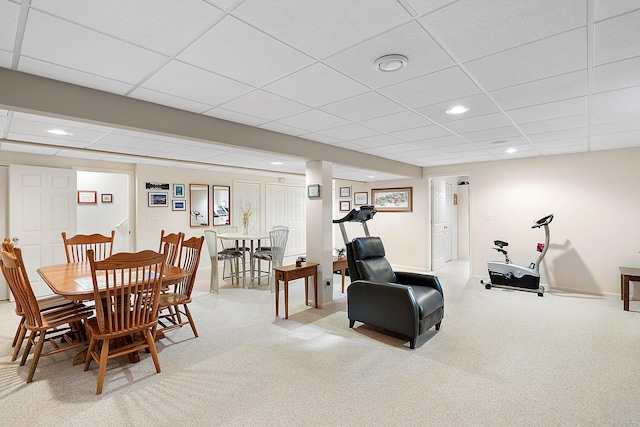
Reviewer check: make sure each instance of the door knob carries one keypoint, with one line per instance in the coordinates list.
(15, 240)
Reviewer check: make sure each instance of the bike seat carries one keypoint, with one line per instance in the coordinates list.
(500, 243)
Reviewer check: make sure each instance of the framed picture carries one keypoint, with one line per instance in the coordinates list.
(345, 206)
(87, 197)
(178, 190)
(392, 199)
(345, 191)
(360, 198)
(107, 198)
(179, 205)
(158, 199)
(313, 191)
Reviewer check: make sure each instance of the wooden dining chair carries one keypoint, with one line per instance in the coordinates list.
(128, 286)
(76, 247)
(180, 295)
(61, 327)
(44, 304)
(174, 240)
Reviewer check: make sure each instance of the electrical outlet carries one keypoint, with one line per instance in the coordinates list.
(153, 217)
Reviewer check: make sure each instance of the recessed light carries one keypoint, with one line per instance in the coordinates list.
(499, 143)
(511, 150)
(276, 163)
(371, 176)
(458, 109)
(59, 132)
(389, 63)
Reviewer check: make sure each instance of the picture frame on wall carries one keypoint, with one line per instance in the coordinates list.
(87, 197)
(159, 199)
(392, 199)
(313, 191)
(179, 205)
(345, 205)
(360, 198)
(345, 192)
(107, 198)
(178, 190)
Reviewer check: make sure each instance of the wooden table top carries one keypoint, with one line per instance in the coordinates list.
(61, 278)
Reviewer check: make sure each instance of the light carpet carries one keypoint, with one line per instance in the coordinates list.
(501, 358)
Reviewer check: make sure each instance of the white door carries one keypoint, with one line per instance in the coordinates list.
(441, 223)
(246, 194)
(286, 205)
(42, 204)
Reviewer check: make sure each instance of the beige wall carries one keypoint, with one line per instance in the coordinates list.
(596, 203)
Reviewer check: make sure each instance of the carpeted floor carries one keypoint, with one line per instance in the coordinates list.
(501, 358)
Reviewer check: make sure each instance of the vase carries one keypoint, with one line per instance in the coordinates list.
(245, 227)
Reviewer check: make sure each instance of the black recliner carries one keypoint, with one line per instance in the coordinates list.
(401, 302)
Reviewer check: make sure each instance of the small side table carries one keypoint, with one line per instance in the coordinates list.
(291, 272)
(627, 274)
(340, 264)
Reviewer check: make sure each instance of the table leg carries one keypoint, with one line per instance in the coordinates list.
(306, 290)
(625, 292)
(286, 299)
(342, 272)
(315, 287)
(277, 295)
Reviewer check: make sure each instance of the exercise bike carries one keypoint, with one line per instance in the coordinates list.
(511, 276)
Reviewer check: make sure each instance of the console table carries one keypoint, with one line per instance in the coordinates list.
(291, 272)
(340, 264)
(627, 274)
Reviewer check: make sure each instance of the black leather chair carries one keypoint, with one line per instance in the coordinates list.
(401, 302)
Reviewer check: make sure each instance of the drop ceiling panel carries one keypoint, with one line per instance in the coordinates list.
(316, 85)
(550, 110)
(410, 40)
(558, 135)
(621, 99)
(403, 147)
(30, 149)
(60, 42)
(616, 75)
(534, 61)
(280, 128)
(235, 49)
(265, 105)
(9, 13)
(501, 24)
(571, 122)
(5, 59)
(495, 134)
(496, 120)
(169, 100)
(607, 9)
(145, 145)
(377, 141)
(183, 80)
(363, 107)
(396, 122)
(316, 28)
(349, 132)
(433, 88)
(542, 91)
(177, 22)
(234, 116)
(420, 133)
(617, 38)
(478, 105)
(313, 121)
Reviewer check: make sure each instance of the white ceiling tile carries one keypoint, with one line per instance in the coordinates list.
(235, 49)
(402, 147)
(616, 38)
(479, 105)
(397, 122)
(27, 148)
(628, 98)
(81, 78)
(169, 100)
(607, 9)
(552, 89)
(555, 151)
(433, 88)
(615, 127)
(282, 128)
(562, 142)
(475, 28)
(410, 40)
(443, 141)
(9, 14)
(234, 116)
(537, 60)
(80, 154)
(612, 145)
(348, 132)
(496, 120)
(615, 115)
(551, 110)
(313, 121)
(109, 148)
(320, 138)
(377, 141)
(362, 107)
(6, 59)
(146, 145)
(503, 143)
(550, 125)
(420, 133)
(616, 75)
(315, 86)
(60, 42)
(265, 105)
(455, 148)
(558, 135)
(631, 136)
(177, 22)
(422, 7)
(186, 81)
(500, 133)
(322, 27)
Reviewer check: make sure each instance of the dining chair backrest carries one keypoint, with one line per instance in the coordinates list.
(227, 244)
(189, 260)
(211, 237)
(278, 240)
(128, 285)
(15, 273)
(76, 247)
(8, 247)
(173, 240)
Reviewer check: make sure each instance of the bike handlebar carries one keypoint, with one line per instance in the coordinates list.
(543, 221)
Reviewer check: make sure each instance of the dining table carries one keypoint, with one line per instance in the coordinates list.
(241, 240)
(73, 281)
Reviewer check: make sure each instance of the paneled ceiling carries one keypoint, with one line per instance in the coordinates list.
(541, 78)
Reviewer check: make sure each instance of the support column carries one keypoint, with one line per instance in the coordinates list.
(320, 227)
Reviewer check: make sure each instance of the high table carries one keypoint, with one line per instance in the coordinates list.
(291, 272)
(252, 238)
(627, 274)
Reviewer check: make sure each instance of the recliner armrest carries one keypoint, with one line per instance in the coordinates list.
(419, 279)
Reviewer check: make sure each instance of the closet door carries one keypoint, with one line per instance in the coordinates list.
(286, 205)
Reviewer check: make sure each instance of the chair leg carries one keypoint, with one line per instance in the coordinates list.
(18, 331)
(152, 349)
(16, 349)
(27, 349)
(193, 325)
(36, 356)
(104, 355)
(87, 360)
